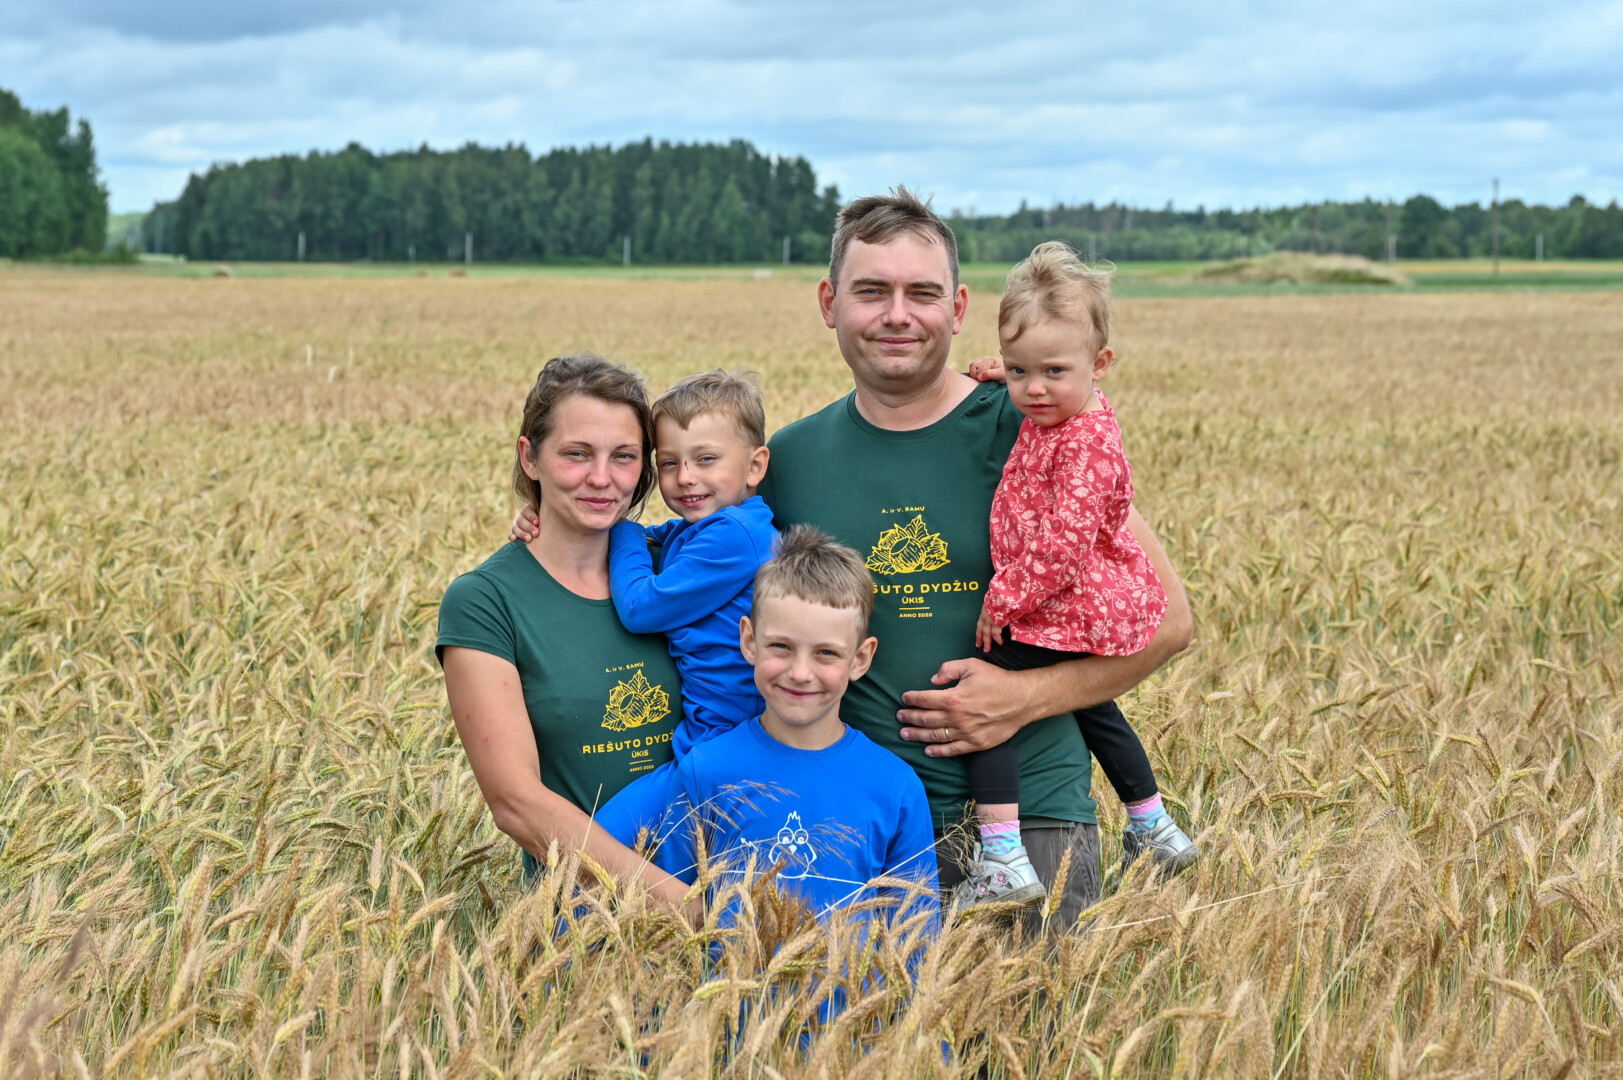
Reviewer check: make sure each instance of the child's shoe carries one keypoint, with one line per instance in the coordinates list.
(1005, 877)
(1172, 851)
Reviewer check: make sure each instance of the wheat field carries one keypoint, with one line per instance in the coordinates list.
(238, 837)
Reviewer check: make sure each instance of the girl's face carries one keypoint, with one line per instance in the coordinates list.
(588, 467)
(1051, 368)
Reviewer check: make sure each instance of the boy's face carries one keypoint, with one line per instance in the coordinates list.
(1051, 368)
(706, 466)
(805, 655)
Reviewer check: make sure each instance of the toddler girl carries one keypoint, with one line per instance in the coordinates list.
(1070, 578)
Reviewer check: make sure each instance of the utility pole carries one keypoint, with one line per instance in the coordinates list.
(625, 251)
(301, 245)
(1391, 237)
(467, 249)
(1496, 226)
(786, 249)
(1538, 247)
(1093, 248)
(411, 253)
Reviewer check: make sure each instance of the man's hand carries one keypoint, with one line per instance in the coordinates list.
(526, 526)
(986, 707)
(987, 632)
(987, 369)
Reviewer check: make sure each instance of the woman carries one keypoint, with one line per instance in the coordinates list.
(559, 706)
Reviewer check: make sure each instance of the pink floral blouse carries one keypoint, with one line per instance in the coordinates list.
(1069, 574)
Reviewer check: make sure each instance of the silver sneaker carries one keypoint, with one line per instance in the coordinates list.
(1008, 878)
(1172, 851)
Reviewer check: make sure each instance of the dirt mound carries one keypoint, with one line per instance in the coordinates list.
(1303, 269)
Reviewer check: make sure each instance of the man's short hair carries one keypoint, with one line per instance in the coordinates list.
(1054, 283)
(808, 565)
(736, 396)
(875, 219)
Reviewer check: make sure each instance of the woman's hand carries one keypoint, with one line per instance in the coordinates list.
(987, 632)
(526, 527)
(987, 369)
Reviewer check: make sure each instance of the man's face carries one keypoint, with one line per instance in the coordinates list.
(894, 311)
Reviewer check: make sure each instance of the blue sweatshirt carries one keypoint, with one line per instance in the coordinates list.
(835, 818)
(704, 585)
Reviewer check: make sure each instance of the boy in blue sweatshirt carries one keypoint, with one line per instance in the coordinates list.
(795, 788)
(710, 453)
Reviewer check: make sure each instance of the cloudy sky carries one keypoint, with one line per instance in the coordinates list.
(983, 104)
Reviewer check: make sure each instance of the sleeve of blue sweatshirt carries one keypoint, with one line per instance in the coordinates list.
(678, 854)
(660, 535)
(710, 569)
(912, 848)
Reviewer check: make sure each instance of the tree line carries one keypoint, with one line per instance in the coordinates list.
(674, 202)
(1419, 228)
(706, 203)
(51, 198)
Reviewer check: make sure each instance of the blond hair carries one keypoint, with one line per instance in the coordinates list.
(808, 565)
(1054, 283)
(875, 219)
(736, 397)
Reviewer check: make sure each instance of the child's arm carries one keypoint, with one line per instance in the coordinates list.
(1066, 534)
(911, 853)
(680, 849)
(709, 571)
(660, 535)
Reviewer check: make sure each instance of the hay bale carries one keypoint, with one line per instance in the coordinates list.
(222, 271)
(1303, 269)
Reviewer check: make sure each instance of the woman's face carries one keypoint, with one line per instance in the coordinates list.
(589, 466)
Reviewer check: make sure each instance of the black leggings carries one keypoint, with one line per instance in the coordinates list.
(994, 774)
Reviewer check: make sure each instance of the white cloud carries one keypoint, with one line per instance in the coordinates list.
(985, 106)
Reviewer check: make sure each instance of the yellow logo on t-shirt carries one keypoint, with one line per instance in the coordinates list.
(907, 549)
(635, 703)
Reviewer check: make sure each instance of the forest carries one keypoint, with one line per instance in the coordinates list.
(51, 198)
(1420, 228)
(674, 202)
(711, 203)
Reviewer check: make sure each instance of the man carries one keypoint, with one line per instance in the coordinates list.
(904, 469)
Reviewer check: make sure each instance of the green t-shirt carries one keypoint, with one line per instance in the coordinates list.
(602, 700)
(918, 505)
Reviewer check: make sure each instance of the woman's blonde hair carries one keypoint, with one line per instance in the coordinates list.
(583, 374)
(1054, 283)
